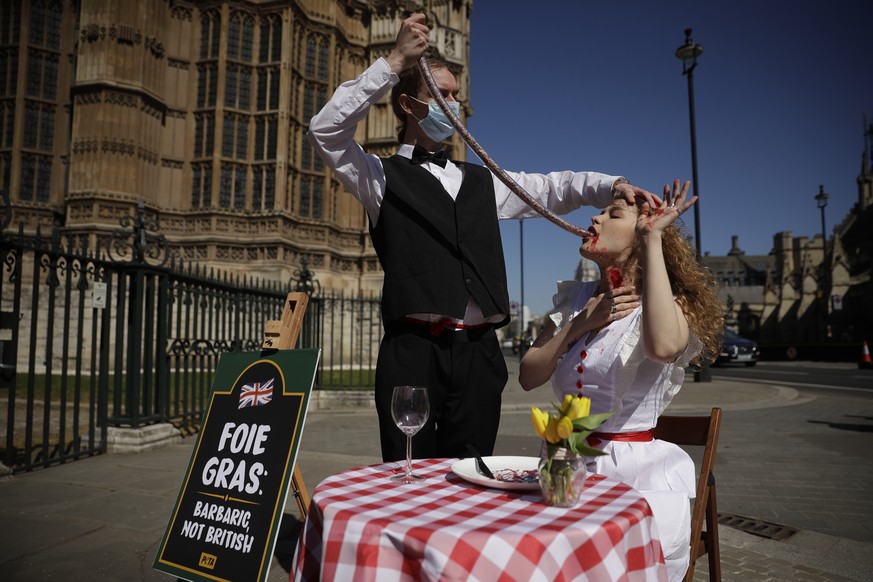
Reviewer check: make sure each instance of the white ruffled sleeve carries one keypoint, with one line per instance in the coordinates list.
(569, 301)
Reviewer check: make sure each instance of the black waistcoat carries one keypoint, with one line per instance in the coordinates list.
(437, 252)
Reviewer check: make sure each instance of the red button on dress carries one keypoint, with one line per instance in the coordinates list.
(580, 368)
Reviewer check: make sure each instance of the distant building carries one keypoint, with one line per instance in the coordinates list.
(853, 258)
(742, 279)
(794, 295)
(587, 270)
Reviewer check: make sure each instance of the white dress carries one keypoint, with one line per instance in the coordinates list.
(618, 377)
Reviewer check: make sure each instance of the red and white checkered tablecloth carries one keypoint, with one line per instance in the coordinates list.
(362, 526)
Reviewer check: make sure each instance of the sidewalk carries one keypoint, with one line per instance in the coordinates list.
(103, 518)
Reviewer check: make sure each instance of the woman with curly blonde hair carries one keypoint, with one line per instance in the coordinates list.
(624, 341)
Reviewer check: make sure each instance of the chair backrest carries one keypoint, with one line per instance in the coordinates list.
(699, 431)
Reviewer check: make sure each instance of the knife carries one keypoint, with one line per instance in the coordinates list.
(480, 464)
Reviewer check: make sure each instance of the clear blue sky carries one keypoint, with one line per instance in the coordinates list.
(780, 94)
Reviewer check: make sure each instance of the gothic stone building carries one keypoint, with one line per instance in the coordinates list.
(198, 109)
(806, 290)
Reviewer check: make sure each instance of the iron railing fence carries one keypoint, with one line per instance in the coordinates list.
(119, 337)
(53, 404)
(348, 329)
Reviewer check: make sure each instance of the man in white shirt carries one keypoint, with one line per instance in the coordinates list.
(434, 226)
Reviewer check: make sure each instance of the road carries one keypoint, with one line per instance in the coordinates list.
(801, 375)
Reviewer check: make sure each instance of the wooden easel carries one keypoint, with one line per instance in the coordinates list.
(282, 334)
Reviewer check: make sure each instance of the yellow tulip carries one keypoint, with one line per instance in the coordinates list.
(564, 427)
(552, 431)
(584, 406)
(566, 405)
(580, 408)
(572, 409)
(540, 421)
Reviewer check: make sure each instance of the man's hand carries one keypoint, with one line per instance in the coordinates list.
(630, 193)
(412, 41)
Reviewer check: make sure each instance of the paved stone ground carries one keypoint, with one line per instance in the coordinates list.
(807, 465)
(795, 459)
(799, 459)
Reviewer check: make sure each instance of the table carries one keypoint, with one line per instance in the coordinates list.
(361, 526)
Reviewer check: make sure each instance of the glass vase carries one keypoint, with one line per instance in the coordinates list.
(562, 475)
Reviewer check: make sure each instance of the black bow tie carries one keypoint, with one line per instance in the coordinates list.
(421, 155)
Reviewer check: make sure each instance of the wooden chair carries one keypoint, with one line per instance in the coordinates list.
(699, 431)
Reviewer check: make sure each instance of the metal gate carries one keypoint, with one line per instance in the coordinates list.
(93, 338)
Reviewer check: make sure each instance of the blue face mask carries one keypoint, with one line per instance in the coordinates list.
(437, 125)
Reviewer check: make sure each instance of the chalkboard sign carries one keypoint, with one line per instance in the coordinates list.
(227, 515)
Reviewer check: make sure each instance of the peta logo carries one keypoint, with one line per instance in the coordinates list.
(207, 560)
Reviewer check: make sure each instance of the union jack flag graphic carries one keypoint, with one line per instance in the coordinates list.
(256, 394)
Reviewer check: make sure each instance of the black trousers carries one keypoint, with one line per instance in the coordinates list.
(464, 372)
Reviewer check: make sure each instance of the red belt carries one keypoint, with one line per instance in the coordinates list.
(437, 327)
(596, 439)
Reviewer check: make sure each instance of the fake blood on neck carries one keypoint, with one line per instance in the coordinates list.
(615, 280)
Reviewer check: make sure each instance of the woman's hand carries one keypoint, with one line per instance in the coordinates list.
(603, 309)
(675, 203)
(540, 360)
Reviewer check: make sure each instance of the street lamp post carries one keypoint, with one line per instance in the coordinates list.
(821, 200)
(688, 53)
(521, 304)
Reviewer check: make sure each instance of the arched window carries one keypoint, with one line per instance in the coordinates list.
(266, 135)
(240, 37)
(45, 24)
(313, 97)
(39, 126)
(311, 197)
(234, 32)
(309, 69)
(270, 48)
(10, 22)
(322, 59)
(232, 188)
(235, 136)
(7, 123)
(201, 186)
(5, 170)
(36, 174)
(238, 87)
(248, 39)
(263, 186)
(210, 34)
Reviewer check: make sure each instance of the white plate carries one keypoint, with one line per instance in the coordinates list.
(466, 469)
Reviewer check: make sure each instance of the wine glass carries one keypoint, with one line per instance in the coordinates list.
(410, 408)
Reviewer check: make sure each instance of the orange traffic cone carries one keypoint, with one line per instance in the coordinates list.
(865, 362)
